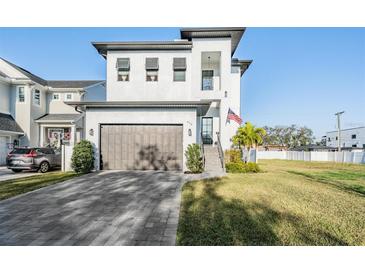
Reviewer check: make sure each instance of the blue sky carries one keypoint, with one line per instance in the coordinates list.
(298, 75)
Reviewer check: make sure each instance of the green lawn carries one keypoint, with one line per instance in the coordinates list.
(289, 203)
(18, 186)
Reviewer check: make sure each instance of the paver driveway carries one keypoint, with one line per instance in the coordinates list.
(104, 208)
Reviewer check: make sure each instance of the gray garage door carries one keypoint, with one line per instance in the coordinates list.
(141, 147)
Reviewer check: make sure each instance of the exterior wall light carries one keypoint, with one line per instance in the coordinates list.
(91, 132)
(189, 132)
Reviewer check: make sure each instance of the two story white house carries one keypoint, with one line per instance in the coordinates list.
(351, 138)
(163, 96)
(33, 111)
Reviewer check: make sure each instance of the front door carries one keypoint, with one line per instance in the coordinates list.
(207, 130)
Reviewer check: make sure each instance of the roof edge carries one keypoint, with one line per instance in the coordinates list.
(243, 64)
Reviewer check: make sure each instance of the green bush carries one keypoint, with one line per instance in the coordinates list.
(194, 161)
(241, 167)
(82, 160)
(233, 156)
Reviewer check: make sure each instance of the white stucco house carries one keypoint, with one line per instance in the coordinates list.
(351, 138)
(33, 110)
(163, 96)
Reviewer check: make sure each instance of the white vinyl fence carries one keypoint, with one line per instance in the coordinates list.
(356, 157)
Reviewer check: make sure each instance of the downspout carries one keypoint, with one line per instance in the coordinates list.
(76, 109)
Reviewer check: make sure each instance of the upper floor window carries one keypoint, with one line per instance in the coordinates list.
(123, 68)
(36, 97)
(179, 66)
(21, 95)
(151, 69)
(56, 96)
(68, 97)
(211, 70)
(329, 139)
(207, 79)
(353, 136)
(354, 145)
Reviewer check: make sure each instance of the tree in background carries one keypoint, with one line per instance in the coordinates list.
(291, 136)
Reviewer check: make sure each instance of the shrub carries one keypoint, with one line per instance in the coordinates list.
(82, 160)
(233, 156)
(194, 161)
(241, 167)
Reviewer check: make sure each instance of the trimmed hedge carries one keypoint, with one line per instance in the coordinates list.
(233, 156)
(241, 167)
(82, 160)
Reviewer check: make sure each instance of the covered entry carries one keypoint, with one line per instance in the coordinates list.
(141, 147)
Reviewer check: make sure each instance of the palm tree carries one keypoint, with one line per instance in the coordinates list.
(249, 136)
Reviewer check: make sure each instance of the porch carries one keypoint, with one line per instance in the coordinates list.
(57, 129)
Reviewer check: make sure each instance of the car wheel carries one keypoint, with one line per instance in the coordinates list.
(44, 167)
(16, 170)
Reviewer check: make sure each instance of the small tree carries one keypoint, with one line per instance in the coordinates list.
(82, 160)
(194, 161)
(248, 136)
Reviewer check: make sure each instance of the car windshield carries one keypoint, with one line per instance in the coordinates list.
(21, 151)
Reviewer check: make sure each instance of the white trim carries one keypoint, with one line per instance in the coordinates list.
(5, 79)
(55, 121)
(11, 132)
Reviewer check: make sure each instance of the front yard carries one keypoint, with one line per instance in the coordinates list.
(290, 203)
(18, 186)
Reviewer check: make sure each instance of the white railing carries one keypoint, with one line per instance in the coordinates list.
(220, 151)
(356, 157)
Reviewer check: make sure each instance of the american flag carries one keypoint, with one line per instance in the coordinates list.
(233, 116)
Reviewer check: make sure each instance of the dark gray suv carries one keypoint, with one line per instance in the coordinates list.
(36, 159)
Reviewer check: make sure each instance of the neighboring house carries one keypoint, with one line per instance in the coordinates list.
(352, 138)
(33, 112)
(163, 96)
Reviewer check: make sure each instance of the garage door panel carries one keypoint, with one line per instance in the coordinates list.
(142, 147)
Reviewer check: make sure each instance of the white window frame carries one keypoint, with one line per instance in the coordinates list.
(72, 96)
(33, 97)
(17, 95)
(59, 96)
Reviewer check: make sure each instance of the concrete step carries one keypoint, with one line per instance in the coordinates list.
(212, 160)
